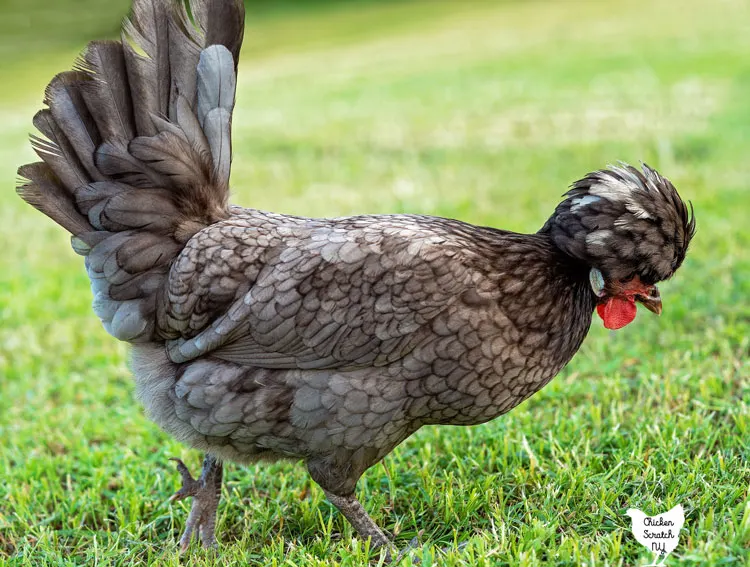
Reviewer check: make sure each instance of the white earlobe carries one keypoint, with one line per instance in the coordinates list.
(597, 281)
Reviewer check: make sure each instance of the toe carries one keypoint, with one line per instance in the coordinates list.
(189, 484)
(208, 539)
(185, 540)
(182, 493)
(181, 468)
(207, 529)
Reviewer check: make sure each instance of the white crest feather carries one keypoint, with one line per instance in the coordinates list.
(598, 237)
(583, 201)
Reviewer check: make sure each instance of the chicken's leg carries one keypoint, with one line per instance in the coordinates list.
(206, 492)
(338, 481)
(358, 517)
(366, 527)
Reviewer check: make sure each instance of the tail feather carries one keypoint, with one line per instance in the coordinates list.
(217, 84)
(208, 23)
(190, 126)
(57, 151)
(117, 207)
(45, 192)
(68, 108)
(218, 127)
(82, 243)
(222, 22)
(114, 160)
(146, 46)
(137, 150)
(172, 156)
(185, 46)
(107, 95)
(217, 81)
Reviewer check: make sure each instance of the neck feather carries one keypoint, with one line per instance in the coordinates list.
(542, 290)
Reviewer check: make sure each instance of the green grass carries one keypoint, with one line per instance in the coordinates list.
(483, 111)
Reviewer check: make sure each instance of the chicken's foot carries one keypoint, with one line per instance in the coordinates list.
(206, 492)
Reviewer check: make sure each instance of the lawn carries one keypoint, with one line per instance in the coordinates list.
(478, 110)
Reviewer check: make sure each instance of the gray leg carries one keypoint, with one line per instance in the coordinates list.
(338, 477)
(360, 520)
(206, 492)
(366, 527)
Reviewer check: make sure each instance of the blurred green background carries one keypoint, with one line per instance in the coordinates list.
(478, 110)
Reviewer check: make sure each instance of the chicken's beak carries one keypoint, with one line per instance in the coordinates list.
(652, 301)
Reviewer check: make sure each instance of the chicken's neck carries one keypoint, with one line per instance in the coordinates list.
(545, 300)
(555, 295)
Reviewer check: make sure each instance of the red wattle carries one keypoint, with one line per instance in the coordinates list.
(617, 312)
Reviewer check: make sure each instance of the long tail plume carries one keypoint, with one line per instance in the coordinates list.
(136, 150)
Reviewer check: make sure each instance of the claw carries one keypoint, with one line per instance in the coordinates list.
(189, 487)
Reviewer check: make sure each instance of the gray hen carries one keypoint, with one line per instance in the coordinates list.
(260, 335)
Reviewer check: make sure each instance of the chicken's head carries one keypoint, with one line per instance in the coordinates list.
(631, 229)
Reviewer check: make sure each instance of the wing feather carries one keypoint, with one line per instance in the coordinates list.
(316, 297)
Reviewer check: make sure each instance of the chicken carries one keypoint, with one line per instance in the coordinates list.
(258, 335)
(659, 534)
